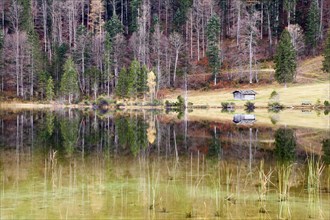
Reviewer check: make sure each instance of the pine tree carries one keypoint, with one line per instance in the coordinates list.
(285, 59)
(50, 89)
(132, 76)
(69, 81)
(114, 27)
(121, 88)
(326, 62)
(134, 6)
(313, 22)
(142, 80)
(213, 31)
(180, 16)
(42, 83)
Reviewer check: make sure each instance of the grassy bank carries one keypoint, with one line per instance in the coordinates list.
(291, 96)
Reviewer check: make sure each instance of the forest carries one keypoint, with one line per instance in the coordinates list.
(74, 49)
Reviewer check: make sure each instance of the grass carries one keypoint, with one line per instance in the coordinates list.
(293, 95)
(311, 84)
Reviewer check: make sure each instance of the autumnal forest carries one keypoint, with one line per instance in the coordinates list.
(50, 49)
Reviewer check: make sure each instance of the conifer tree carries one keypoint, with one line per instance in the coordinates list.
(326, 62)
(134, 6)
(132, 75)
(114, 27)
(285, 59)
(69, 81)
(121, 88)
(42, 83)
(213, 31)
(50, 89)
(142, 79)
(180, 16)
(313, 22)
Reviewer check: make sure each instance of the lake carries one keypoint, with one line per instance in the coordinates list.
(84, 164)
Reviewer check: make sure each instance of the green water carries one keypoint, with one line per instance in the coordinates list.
(74, 165)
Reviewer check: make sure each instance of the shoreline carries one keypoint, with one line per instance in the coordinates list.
(33, 105)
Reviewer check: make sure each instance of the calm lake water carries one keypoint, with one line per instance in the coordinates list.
(71, 164)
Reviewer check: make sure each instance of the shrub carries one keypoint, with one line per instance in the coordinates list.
(326, 103)
(273, 94)
(318, 102)
(179, 104)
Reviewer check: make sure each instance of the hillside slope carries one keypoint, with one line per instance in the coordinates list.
(311, 84)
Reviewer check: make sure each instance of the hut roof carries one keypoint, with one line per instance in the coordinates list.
(246, 92)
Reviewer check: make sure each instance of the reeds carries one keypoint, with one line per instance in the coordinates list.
(315, 168)
(264, 181)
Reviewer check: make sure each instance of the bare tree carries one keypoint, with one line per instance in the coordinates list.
(297, 38)
(250, 35)
(142, 33)
(156, 44)
(15, 19)
(118, 48)
(177, 43)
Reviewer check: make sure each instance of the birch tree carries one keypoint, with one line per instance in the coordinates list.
(177, 43)
(249, 38)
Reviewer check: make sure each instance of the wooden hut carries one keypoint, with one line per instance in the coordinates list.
(244, 95)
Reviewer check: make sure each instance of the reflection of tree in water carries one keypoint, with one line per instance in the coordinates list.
(326, 151)
(214, 145)
(69, 131)
(132, 133)
(285, 145)
(285, 150)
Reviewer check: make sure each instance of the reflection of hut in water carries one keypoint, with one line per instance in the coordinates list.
(244, 95)
(244, 119)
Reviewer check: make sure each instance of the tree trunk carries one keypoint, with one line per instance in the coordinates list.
(44, 16)
(238, 24)
(250, 56)
(32, 76)
(175, 65)
(191, 35)
(321, 19)
(17, 63)
(269, 29)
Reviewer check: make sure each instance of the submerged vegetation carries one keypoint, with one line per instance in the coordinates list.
(140, 164)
